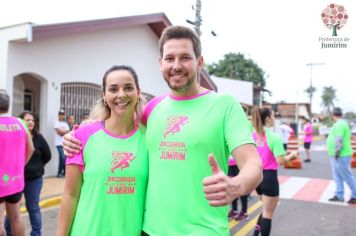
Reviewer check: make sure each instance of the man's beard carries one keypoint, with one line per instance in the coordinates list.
(181, 88)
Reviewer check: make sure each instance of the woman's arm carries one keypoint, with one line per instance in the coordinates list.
(73, 183)
(29, 147)
(282, 159)
(45, 150)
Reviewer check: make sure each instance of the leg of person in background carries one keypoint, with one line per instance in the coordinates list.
(269, 205)
(2, 215)
(233, 213)
(32, 196)
(270, 197)
(258, 223)
(7, 227)
(14, 216)
(243, 213)
(347, 176)
(307, 152)
(61, 165)
(335, 169)
(285, 146)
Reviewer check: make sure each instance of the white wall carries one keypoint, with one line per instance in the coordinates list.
(84, 57)
(11, 33)
(241, 90)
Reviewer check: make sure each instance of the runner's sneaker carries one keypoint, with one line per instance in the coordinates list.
(232, 214)
(242, 216)
(352, 201)
(336, 199)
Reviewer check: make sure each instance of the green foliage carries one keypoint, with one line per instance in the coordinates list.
(310, 91)
(236, 66)
(350, 115)
(327, 98)
(328, 121)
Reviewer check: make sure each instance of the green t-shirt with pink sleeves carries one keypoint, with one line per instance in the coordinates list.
(115, 171)
(181, 132)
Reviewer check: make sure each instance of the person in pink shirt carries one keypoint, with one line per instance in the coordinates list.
(16, 148)
(270, 147)
(308, 137)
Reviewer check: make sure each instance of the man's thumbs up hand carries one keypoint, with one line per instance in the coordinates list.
(219, 189)
(214, 164)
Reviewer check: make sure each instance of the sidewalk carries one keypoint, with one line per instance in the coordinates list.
(51, 194)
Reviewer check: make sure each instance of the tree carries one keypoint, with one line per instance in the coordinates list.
(310, 91)
(350, 115)
(327, 98)
(236, 66)
(334, 17)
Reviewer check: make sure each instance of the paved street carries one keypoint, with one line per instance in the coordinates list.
(302, 210)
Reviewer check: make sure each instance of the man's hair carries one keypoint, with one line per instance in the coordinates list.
(337, 111)
(180, 32)
(4, 101)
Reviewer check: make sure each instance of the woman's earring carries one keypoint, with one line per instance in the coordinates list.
(105, 103)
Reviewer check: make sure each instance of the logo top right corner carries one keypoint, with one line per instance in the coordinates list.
(334, 17)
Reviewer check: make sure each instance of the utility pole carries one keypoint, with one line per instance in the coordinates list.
(311, 82)
(198, 20)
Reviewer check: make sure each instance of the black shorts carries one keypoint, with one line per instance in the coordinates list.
(14, 198)
(233, 171)
(307, 145)
(269, 185)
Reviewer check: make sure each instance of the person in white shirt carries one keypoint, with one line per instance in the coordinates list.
(61, 127)
(285, 131)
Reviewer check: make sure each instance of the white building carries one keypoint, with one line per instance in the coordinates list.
(48, 67)
(241, 90)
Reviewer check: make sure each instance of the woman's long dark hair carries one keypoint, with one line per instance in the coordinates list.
(34, 131)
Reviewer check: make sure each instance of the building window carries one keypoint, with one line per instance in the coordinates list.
(147, 96)
(28, 100)
(78, 98)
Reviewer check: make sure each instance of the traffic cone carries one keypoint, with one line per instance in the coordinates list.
(293, 145)
(353, 145)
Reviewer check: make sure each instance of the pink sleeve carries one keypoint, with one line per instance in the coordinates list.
(149, 108)
(82, 134)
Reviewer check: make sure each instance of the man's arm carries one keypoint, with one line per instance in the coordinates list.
(250, 165)
(338, 145)
(221, 190)
(61, 131)
(71, 145)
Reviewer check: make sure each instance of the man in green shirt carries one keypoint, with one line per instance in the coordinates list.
(191, 132)
(340, 152)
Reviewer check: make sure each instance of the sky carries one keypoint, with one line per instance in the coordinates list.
(281, 36)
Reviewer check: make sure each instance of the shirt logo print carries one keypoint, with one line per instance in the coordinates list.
(121, 160)
(174, 124)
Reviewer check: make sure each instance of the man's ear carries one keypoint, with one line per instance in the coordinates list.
(200, 62)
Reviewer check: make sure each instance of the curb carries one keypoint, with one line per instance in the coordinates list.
(46, 203)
